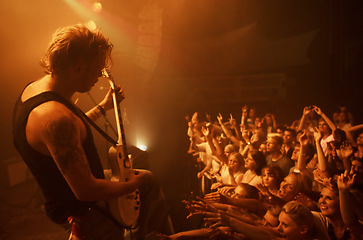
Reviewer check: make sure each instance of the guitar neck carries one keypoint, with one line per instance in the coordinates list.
(120, 128)
(121, 132)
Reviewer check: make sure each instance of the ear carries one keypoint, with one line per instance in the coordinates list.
(304, 229)
(76, 69)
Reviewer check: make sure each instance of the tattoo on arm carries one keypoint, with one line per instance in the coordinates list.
(63, 137)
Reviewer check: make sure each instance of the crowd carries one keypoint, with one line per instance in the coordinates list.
(272, 181)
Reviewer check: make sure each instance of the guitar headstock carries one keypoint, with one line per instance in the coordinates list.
(106, 72)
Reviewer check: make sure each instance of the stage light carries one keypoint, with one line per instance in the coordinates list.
(91, 25)
(142, 147)
(97, 7)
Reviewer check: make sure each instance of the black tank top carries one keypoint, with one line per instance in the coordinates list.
(60, 202)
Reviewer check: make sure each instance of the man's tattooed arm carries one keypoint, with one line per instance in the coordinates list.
(66, 149)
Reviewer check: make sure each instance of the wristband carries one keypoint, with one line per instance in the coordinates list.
(101, 110)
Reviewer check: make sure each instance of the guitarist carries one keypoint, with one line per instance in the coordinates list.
(56, 142)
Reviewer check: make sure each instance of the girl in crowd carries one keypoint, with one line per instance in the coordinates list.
(272, 176)
(268, 123)
(254, 163)
(231, 174)
(334, 204)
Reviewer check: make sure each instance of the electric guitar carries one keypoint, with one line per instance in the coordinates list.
(125, 208)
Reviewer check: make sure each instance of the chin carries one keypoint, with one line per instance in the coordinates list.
(326, 212)
(85, 89)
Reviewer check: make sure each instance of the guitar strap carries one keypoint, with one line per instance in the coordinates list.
(103, 133)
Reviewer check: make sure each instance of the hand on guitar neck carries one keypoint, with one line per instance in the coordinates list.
(107, 102)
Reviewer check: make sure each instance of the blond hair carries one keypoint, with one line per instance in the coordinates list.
(299, 214)
(74, 43)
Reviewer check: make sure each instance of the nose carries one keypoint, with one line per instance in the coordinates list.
(280, 228)
(100, 74)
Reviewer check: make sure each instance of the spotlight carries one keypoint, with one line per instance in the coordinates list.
(91, 25)
(97, 7)
(142, 147)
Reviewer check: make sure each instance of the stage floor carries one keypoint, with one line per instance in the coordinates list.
(22, 216)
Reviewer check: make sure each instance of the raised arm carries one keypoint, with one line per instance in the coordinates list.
(226, 131)
(274, 124)
(322, 161)
(216, 149)
(301, 161)
(248, 230)
(106, 104)
(326, 119)
(350, 132)
(344, 153)
(347, 206)
(232, 121)
(306, 111)
(244, 118)
(250, 204)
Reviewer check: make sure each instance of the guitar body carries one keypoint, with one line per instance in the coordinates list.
(125, 208)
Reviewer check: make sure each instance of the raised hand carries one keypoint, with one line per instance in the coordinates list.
(165, 237)
(232, 121)
(194, 118)
(187, 118)
(205, 131)
(226, 190)
(219, 118)
(304, 139)
(107, 102)
(317, 110)
(317, 134)
(244, 109)
(264, 190)
(216, 185)
(306, 201)
(346, 150)
(254, 138)
(306, 110)
(321, 178)
(195, 207)
(345, 181)
(207, 116)
(215, 197)
(214, 220)
(342, 108)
